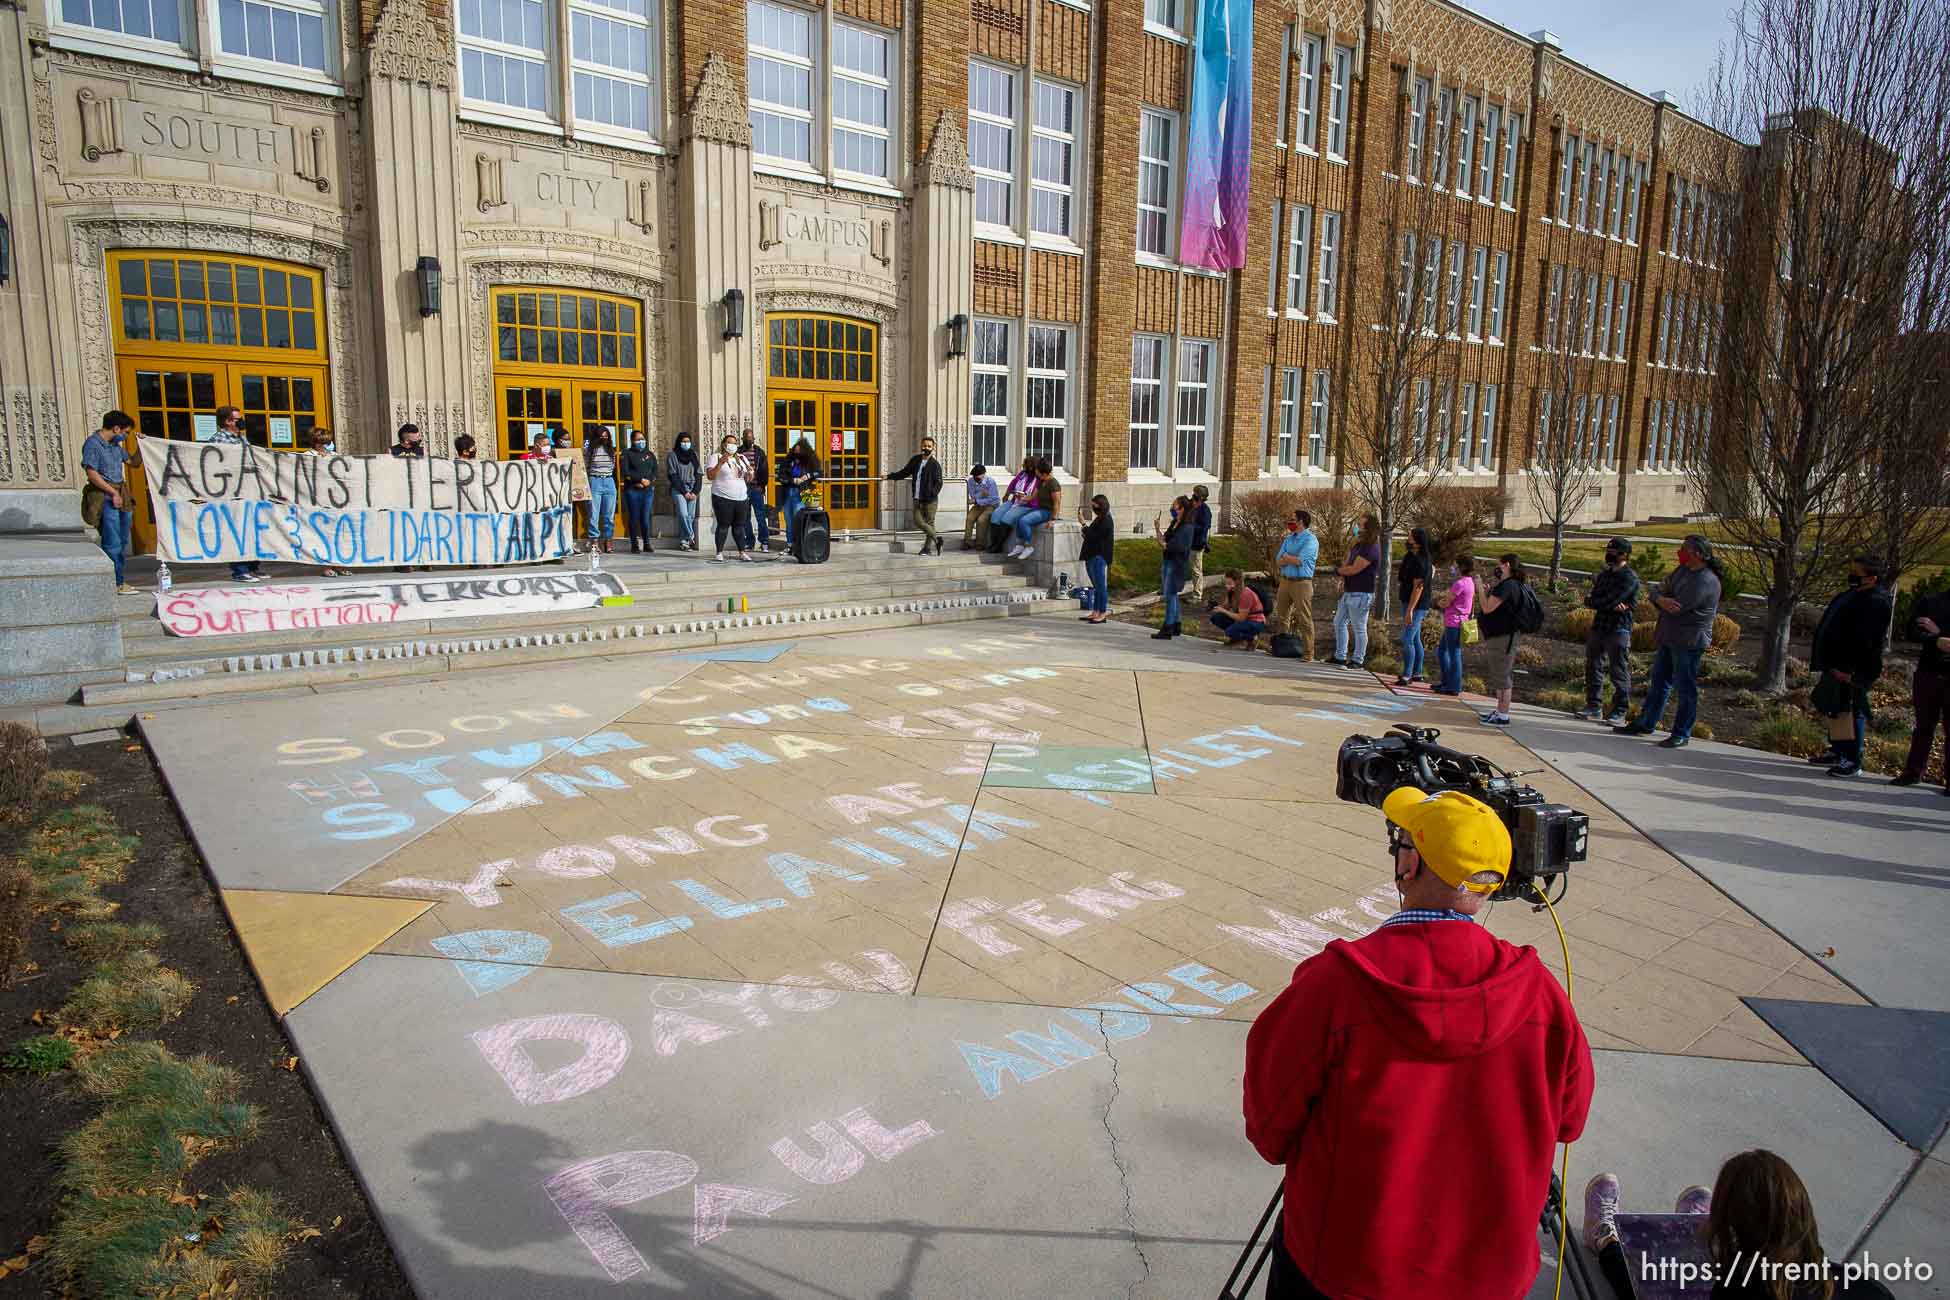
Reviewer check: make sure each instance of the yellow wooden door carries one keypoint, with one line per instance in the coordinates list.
(823, 387)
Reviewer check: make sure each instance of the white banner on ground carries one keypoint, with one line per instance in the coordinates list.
(230, 502)
(219, 611)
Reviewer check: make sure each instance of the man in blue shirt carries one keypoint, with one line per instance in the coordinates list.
(105, 459)
(983, 498)
(1293, 607)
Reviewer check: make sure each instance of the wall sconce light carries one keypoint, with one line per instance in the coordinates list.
(427, 272)
(958, 335)
(734, 313)
(6, 251)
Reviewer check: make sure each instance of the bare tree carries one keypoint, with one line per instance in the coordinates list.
(1837, 171)
(1576, 429)
(1401, 365)
(1901, 500)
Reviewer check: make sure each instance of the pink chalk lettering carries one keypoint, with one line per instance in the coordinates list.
(1293, 940)
(479, 891)
(584, 1193)
(1154, 891)
(1100, 902)
(909, 793)
(1032, 915)
(880, 1143)
(889, 975)
(752, 834)
(803, 994)
(713, 1204)
(837, 1161)
(744, 1001)
(670, 1030)
(575, 862)
(963, 917)
(859, 809)
(604, 1049)
(669, 840)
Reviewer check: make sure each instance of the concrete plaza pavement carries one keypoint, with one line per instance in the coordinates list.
(911, 963)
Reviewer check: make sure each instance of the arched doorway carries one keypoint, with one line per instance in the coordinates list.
(823, 384)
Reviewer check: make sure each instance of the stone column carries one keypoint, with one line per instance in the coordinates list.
(714, 393)
(943, 288)
(408, 116)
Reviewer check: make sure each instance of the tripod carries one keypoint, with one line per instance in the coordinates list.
(1552, 1222)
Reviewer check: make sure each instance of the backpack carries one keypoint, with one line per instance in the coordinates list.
(1286, 646)
(1527, 609)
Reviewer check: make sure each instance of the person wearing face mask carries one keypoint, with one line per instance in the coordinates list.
(321, 444)
(1177, 541)
(1413, 577)
(1293, 605)
(464, 447)
(730, 504)
(105, 458)
(757, 481)
(1608, 645)
(681, 469)
(1847, 657)
(638, 474)
(1687, 600)
(599, 463)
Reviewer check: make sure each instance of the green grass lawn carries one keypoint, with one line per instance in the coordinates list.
(1138, 560)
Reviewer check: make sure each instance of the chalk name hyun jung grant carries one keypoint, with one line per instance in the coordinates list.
(229, 502)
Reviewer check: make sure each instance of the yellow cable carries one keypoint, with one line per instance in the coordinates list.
(1564, 1176)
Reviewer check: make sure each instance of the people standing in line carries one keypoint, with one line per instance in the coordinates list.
(321, 443)
(757, 480)
(230, 429)
(464, 447)
(1930, 691)
(1847, 656)
(925, 470)
(800, 476)
(1201, 538)
(1241, 614)
(1499, 620)
(105, 458)
(638, 474)
(1176, 538)
(983, 498)
(681, 470)
(1357, 595)
(1413, 578)
(1017, 498)
(1293, 603)
(730, 499)
(1099, 545)
(1046, 504)
(1608, 645)
(1687, 600)
(1458, 605)
(599, 463)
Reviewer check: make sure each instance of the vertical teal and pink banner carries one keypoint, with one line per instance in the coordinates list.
(1219, 142)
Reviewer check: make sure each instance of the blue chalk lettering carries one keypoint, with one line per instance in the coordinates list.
(729, 758)
(867, 851)
(424, 769)
(723, 907)
(623, 928)
(1157, 998)
(796, 873)
(377, 820)
(594, 778)
(989, 1064)
(1061, 1048)
(493, 959)
(1117, 1021)
(1193, 976)
(599, 742)
(827, 704)
(526, 754)
(912, 841)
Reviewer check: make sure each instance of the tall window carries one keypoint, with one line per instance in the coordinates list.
(1048, 405)
(1165, 16)
(1157, 151)
(1337, 101)
(610, 53)
(862, 99)
(503, 54)
(1466, 146)
(1327, 301)
(1604, 218)
(1147, 399)
(1317, 428)
(290, 33)
(1444, 430)
(1675, 201)
(1465, 426)
(1665, 327)
(1512, 132)
(992, 143)
(1439, 155)
(1652, 409)
(1486, 427)
(147, 20)
(1405, 277)
(1554, 309)
(1289, 445)
(1418, 116)
(1587, 182)
(1431, 286)
(1566, 164)
(1479, 267)
(1611, 430)
(1499, 287)
(1615, 195)
(1300, 229)
(1419, 431)
(1306, 132)
(1589, 312)
(1492, 141)
(1453, 300)
(1605, 299)
(1623, 318)
(1634, 188)
(781, 61)
(1194, 406)
(1052, 162)
(1286, 84)
(989, 351)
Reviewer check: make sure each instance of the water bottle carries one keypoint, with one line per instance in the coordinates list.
(162, 577)
(595, 559)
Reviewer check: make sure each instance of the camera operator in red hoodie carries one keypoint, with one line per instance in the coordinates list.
(1415, 1081)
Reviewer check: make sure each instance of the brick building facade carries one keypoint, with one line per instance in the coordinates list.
(856, 223)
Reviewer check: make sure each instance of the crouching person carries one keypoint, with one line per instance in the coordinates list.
(1415, 1082)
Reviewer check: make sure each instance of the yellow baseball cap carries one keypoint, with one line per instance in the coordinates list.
(1458, 836)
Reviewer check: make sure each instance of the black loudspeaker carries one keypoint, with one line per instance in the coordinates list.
(812, 539)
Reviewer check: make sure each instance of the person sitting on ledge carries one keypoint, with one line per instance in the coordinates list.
(1241, 614)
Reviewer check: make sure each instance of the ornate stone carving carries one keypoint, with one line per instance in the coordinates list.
(603, 275)
(6, 446)
(308, 157)
(487, 182)
(331, 220)
(44, 133)
(946, 161)
(56, 460)
(717, 111)
(584, 148)
(1665, 130)
(641, 259)
(409, 45)
(1546, 77)
(1381, 15)
(23, 436)
(101, 125)
(768, 223)
(90, 237)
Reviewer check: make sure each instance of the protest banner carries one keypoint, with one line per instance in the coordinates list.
(232, 502)
(220, 611)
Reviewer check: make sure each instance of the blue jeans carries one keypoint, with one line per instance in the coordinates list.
(1414, 654)
(115, 537)
(1171, 577)
(686, 510)
(1237, 629)
(1673, 669)
(792, 508)
(1006, 513)
(1351, 616)
(1448, 658)
(637, 506)
(1099, 570)
(1027, 523)
(756, 520)
(244, 569)
(602, 506)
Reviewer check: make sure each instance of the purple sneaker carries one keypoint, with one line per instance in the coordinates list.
(1600, 1212)
(1694, 1200)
